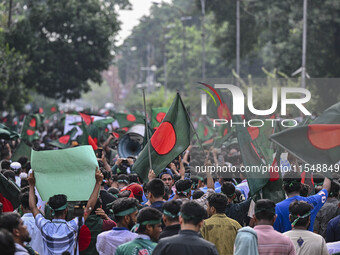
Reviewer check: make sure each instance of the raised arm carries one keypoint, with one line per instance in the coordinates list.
(94, 196)
(327, 184)
(31, 198)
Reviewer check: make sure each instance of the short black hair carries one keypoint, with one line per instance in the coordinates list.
(193, 213)
(122, 204)
(134, 178)
(24, 200)
(299, 208)
(264, 209)
(24, 183)
(9, 174)
(156, 187)
(228, 189)
(197, 194)
(56, 202)
(147, 214)
(292, 182)
(23, 160)
(334, 192)
(10, 221)
(5, 165)
(173, 207)
(219, 201)
(123, 178)
(7, 245)
(113, 191)
(182, 185)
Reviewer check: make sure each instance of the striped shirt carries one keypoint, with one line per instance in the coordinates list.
(58, 235)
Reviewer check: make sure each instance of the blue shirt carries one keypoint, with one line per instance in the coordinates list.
(282, 223)
(333, 230)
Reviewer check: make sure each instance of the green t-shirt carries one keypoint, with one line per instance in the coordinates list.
(136, 247)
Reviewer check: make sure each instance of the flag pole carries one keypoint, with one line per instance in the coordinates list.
(147, 130)
(191, 124)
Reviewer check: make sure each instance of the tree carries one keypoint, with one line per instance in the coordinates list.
(13, 68)
(68, 42)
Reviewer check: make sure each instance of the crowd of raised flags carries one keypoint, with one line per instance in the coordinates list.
(155, 202)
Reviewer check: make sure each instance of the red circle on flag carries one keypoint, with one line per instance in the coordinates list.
(53, 109)
(131, 117)
(205, 131)
(160, 116)
(225, 132)
(64, 139)
(41, 110)
(254, 132)
(125, 129)
(223, 112)
(84, 238)
(30, 132)
(33, 122)
(164, 139)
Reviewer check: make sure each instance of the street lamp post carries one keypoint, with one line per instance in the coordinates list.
(238, 38)
(304, 45)
(203, 39)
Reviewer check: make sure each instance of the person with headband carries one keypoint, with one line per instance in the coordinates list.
(269, 240)
(219, 229)
(292, 187)
(148, 228)
(188, 240)
(183, 190)
(171, 211)
(60, 235)
(168, 179)
(305, 242)
(125, 213)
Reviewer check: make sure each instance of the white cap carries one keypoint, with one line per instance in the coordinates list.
(15, 165)
(22, 175)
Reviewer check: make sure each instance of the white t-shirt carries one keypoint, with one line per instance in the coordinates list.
(307, 242)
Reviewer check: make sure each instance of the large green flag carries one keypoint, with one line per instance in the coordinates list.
(316, 144)
(171, 138)
(205, 132)
(267, 182)
(157, 116)
(128, 120)
(21, 150)
(30, 127)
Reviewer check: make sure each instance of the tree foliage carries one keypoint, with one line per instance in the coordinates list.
(68, 42)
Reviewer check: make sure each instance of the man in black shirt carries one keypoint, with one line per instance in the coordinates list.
(171, 210)
(187, 241)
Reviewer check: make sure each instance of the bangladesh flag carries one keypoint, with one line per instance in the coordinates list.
(265, 182)
(86, 138)
(157, 116)
(65, 141)
(7, 134)
(9, 194)
(171, 138)
(88, 235)
(30, 127)
(317, 143)
(205, 132)
(260, 137)
(128, 120)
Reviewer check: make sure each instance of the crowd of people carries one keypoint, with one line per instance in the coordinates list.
(175, 212)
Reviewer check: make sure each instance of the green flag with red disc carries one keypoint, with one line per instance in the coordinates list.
(171, 138)
(316, 144)
(128, 120)
(30, 127)
(157, 116)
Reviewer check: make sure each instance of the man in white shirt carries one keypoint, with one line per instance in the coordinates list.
(125, 211)
(29, 221)
(305, 241)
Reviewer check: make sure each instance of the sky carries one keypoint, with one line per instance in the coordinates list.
(131, 18)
